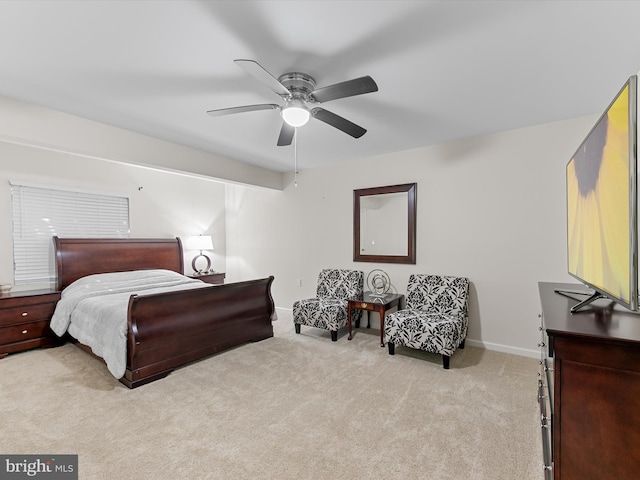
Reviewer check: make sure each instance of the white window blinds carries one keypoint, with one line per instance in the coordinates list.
(39, 213)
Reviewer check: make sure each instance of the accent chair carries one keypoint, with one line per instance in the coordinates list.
(328, 309)
(435, 318)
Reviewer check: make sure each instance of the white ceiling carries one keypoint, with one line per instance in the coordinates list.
(445, 69)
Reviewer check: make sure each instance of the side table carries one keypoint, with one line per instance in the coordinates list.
(373, 304)
(214, 278)
(24, 320)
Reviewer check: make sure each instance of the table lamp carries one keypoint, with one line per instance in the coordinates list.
(200, 242)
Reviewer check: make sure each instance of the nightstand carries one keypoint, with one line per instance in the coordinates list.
(215, 278)
(24, 320)
(372, 303)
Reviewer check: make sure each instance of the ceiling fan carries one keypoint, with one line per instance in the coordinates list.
(301, 97)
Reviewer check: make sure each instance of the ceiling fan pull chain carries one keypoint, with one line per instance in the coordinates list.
(295, 157)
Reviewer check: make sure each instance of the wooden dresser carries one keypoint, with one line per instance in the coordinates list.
(590, 403)
(24, 320)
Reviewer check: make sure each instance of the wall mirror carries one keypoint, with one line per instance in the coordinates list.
(384, 224)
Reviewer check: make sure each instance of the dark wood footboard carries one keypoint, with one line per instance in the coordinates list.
(169, 330)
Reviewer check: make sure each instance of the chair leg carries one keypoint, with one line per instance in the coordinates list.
(334, 335)
(462, 344)
(297, 327)
(445, 361)
(392, 348)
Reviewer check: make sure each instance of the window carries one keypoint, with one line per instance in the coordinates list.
(40, 212)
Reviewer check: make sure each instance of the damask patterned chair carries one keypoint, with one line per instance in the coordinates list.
(328, 309)
(435, 318)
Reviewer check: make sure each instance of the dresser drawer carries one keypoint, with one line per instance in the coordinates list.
(26, 314)
(24, 320)
(26, 331)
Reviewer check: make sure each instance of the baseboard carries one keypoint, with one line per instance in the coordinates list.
(284, 311)
(496, 347)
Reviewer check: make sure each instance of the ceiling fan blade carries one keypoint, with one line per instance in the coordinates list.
(286, 135)
(357, 86)
(246, 108)
(350, 128)
(256, 70)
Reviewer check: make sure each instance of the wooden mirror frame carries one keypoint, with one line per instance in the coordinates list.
(410, 258)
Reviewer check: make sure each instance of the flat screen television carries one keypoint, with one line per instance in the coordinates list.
(602, 226)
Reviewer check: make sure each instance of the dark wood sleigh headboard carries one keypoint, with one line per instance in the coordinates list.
(79, 257)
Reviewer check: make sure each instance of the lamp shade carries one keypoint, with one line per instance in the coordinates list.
(199, 242)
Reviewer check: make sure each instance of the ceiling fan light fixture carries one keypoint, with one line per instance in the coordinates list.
(300, 95)
(295, 115)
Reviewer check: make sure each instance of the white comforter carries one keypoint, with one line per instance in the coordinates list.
(93, 309)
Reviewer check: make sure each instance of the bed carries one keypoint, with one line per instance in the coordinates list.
(163, 330)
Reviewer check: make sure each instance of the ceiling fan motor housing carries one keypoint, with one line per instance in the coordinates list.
(299, 84)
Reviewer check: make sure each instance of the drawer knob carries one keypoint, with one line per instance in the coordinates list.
(24, 331)
(24, 314)
(363, 305)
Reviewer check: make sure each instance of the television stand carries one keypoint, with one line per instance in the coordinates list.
(593, 296)
(589, 394)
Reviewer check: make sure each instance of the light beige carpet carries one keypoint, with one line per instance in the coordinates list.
(290, 407)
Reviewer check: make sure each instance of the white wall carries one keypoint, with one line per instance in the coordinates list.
(33, 125)
(173, 190)
(161, 204)
(491, 208)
